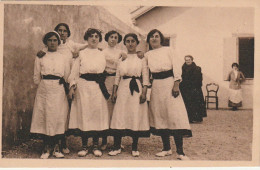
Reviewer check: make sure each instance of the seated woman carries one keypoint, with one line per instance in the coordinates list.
(190, 88)
(89, 111)
(51, 106)
(130, 115)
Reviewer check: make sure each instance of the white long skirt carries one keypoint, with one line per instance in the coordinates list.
(167, 112)
(50, 109)
(89, 111)
(235, 98)
(128, 112)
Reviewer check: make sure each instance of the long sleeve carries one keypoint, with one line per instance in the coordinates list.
(229, 76)
(37, 71)
(197, 78)
(76, 46)
(117, 77)
(74, 75)
(145, 72)
(176, 64)
(66, 70)
(242, 77)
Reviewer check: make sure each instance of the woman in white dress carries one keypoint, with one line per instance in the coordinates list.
(89, 111)
(112, 55)
(51, 106)
(168, 115)
(69, 49)
(130, 115)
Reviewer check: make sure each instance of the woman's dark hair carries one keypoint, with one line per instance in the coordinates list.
(113, 32)
(91, 31)
(65, 25)
(189, 56)
(235, 64)
(50, 34)
(131, 35)
(151, 33)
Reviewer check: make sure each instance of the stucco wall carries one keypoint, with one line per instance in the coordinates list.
(200, 32)
(24, 26)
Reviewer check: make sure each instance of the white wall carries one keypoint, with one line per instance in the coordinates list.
(200, 32)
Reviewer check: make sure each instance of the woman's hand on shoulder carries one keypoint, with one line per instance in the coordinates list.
(40, 54)
(75, 54)
(140, 54)
(123, 56)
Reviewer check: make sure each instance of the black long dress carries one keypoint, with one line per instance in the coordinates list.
(190, 88)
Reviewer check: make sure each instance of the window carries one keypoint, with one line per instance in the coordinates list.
(246, 56)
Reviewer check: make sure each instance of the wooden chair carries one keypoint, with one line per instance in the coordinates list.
(212, 94)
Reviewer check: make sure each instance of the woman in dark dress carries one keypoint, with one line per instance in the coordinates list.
(190, 88)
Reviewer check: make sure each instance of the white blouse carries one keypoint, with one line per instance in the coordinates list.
(132, 66)
(52, 63)
(89, 61)
(112, 56)
(164, 59)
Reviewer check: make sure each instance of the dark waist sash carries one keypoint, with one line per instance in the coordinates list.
(100, 79)
(133, 86)
(109, 74)
(163, 74)
(61, 80)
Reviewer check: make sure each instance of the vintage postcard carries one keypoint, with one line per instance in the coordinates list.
(130, 83)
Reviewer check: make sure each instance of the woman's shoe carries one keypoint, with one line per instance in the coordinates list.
(164, 153)
(114, 152)
(58, 154)
(66, 150)
(103, 147)
(183, 157)
(83, 153)
(45, 155)
(97, 152)
(135, 153)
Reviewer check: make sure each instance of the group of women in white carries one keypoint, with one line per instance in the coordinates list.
(107, 89)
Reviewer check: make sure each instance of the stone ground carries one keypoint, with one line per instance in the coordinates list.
(223, 135)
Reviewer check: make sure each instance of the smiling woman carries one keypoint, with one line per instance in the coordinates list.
(89, 111)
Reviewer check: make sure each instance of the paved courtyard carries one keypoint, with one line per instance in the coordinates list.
(224, 135)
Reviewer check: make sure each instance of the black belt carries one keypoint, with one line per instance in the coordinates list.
(109, 74)
(133, 86)
(61, 80)
(163, 74)
(100, 79)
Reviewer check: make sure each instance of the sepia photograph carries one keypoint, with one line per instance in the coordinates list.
(114, 82)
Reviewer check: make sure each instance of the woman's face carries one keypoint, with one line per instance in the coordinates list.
(155, 40)
(235, 68)
(188, 60)
(63, 33)
(52, 43)
(112, 40)
(130, 44)
(93, 40)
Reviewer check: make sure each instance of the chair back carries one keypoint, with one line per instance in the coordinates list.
(212, 89)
